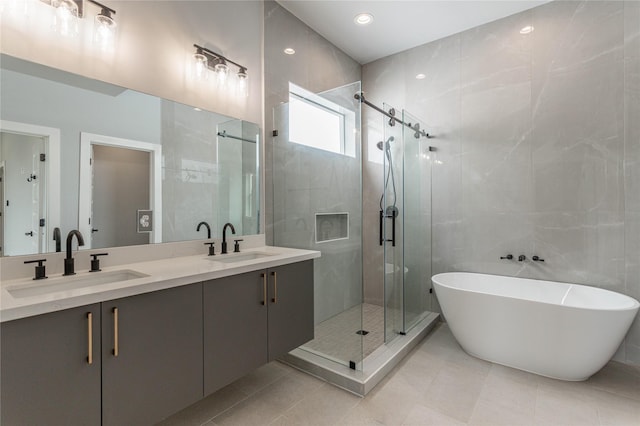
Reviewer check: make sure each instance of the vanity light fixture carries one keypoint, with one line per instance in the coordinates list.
(69, 12)
(205, 60)
(289, 51)
(420, 76)
(363, 19)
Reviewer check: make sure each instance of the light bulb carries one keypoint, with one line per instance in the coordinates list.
(65, 19)
(242, 87)
(200, 67)
(222, 71)
(104, 30)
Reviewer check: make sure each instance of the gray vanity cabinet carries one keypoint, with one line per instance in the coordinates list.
(290, 307)
(235, 328)
(50, 368)
(151, 355)
(253, 318)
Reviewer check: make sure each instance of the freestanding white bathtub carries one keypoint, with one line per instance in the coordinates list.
(558, 330)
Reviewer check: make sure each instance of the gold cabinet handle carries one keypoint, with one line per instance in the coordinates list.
(264, 288)
(115, 331)
(89, 338)
(275, 287)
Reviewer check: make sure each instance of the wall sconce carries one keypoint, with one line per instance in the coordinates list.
(68, 13)
(205, 60)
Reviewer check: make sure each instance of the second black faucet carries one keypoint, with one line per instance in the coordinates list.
(224, 236)
(68, 261)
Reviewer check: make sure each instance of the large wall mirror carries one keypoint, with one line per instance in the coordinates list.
(123, 167)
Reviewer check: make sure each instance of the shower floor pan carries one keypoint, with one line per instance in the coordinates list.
(372, 369)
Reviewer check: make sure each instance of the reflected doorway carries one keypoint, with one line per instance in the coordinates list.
(120, 192)
(30, 158)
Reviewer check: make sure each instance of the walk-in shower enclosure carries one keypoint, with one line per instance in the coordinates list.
(318, 193)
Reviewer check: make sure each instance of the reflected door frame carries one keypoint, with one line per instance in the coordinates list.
(52, 151)
(86, 176)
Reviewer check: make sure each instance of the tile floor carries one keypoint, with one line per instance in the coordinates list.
(436, 384)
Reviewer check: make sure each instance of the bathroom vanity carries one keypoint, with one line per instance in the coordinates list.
(164, 334)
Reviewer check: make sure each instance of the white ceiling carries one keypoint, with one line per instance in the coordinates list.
(398, 24)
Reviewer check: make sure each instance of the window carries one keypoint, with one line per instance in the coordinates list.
(319, 123)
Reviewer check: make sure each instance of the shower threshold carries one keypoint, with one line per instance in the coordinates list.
(376, 365)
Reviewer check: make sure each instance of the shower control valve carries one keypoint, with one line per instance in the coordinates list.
(508, 257)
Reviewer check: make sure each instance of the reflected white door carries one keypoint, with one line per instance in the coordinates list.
(24, 186)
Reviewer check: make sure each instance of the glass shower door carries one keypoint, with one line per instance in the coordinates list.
(417, 222)
(392, 220)
(317, 205)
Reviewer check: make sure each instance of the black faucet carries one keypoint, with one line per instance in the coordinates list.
(224, 236)
(208, 229)
(57, 238)
(68, 261)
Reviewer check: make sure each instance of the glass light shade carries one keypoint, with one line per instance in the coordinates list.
(65, 19)
(242, 88)
(200, 66)
(222, 71)
(104, 31)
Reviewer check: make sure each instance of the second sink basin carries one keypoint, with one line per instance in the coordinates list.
(53, 285)
(239, 257)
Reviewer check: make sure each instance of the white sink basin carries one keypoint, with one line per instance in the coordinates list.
(239, 257)
(54, 285)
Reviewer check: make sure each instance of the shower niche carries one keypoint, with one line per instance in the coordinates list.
(332, 227)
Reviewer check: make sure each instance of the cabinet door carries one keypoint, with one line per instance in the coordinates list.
(235, 328)
(152, 355)
(290, 307)
(47, 376)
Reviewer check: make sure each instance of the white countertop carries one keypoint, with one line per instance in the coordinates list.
(160, 274)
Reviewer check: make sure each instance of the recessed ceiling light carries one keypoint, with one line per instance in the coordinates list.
(420, 76)
(526, 30)
(289, 51)
(363, 19)
(197, 109)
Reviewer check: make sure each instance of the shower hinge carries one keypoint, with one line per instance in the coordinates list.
(274, 133)
(402, 333)
(432, 148)
(352, 365)
(430, 290)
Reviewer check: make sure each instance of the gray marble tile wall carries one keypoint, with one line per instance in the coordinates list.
(298, 182)
(538, 139)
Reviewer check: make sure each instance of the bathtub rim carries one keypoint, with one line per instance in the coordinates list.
(635, 303)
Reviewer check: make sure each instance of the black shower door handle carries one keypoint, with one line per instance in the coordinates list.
(393, 228)
(381, 236)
